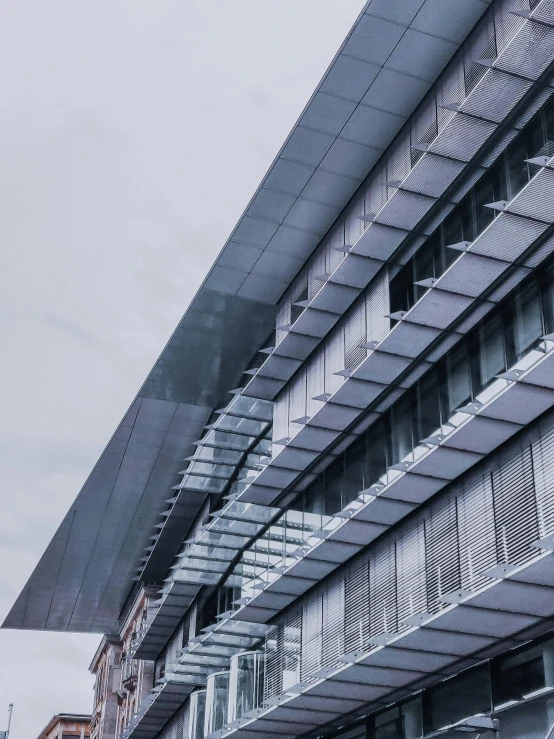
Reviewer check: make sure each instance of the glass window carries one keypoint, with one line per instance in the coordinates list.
(520, 674)
(402, 441)
(483, 195)
(460, 697)
(548, 300)
(425, 264)
(429, 405)
(388, 725)
(355, 471)
(517, 170)
(412, 719)
(376, 453)
(333, 478)
(402, 289)
(528, 324)
(459, 379)
(492, 351)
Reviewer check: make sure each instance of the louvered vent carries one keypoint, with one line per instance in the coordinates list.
(355, 334)
(411, 574)
(543, 467)
(383, 611)
(332, 642)
(441, 544)
(476, 531)
(515, 507)
(356, 613)
(312, 632)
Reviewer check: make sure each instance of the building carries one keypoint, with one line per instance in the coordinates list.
(121, 682)
(67, 726)
(359, 541)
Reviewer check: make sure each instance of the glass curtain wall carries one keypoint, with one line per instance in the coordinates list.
(503, 181)
(517, 688)
(496, 344)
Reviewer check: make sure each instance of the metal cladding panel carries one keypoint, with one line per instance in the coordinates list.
(508, 237)
(433, 175)
(404, 210)
(471, 274)
(495, 96)
(533, 52)
(463, 138)
(379, 241)
(438, 309)
(82, 581)
(537, 199)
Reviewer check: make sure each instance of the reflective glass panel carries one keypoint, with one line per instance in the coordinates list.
(528, 326)
(492, 350)
(460, 697)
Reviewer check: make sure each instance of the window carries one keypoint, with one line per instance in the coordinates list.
(459, 379)
(401, 722)
(528, 324)
(402, 441)
(460, 697)
(429, 404)
(492, 350)
(518, 675)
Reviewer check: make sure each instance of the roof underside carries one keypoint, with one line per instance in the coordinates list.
(388, 62)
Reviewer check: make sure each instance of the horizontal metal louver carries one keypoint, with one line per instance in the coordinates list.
(377, 306)
(180, 722)
(315, 382)
(273, 677)
(543, 468)
(476, 530)
(356, 605)
(383, 608)
(282, 653)
(337, 239)
(355, 334)
(281, 416)
(515, 507)
(410, 571)
(332, 642)
(297, 402)
(441, 549)
(312, 628)
(334, 361)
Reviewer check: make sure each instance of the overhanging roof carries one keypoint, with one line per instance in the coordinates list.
(387, 63)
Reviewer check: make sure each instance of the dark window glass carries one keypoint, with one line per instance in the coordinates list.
(492, 351)
(388, 725)
(517, 169)
(429, 404)
(458, 698)
(459, 379)
(376, 453)
(528, 324)
(548, 301)
(425, 265)
(356, 476)
(402, 440)
(519, 674)
(333, 477)
(402, 289)
(412, 719)
(484, 195)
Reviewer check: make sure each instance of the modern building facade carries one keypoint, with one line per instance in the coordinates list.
(67, 726)
(329, 512)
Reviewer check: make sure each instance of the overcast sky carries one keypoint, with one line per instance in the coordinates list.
(132, 135)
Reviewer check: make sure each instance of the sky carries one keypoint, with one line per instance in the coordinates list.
(132, 135)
